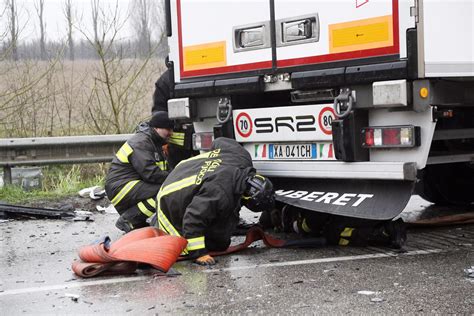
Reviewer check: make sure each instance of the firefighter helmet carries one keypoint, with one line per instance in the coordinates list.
(259, 195)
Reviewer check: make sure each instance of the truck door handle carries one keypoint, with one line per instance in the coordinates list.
(297, 30)
(251, 36)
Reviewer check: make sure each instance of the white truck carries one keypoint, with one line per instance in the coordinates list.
(349, 106)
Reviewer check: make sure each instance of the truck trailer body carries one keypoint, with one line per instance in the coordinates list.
(349, 106)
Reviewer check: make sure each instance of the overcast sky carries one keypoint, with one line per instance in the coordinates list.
(55, 20)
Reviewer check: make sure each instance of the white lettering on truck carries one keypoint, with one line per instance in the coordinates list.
(343, 199)
(297, 194)
(312, 196)
(326, 197)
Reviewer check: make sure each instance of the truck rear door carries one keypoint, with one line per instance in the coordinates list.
(215, 38)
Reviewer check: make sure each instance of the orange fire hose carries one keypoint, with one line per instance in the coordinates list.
(152, 246)
(146, 245)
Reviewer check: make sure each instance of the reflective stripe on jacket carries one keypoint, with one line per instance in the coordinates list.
(141, 158)
(200, 199)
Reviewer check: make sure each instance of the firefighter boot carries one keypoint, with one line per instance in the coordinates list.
(131, 219)
(397, 232)
(301, 227)
(123, 225)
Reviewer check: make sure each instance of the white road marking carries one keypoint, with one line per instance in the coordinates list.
(325, 260)
(73, 285)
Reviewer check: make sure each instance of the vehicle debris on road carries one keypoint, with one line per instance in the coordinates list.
(469, 271)
(95, 193)
(110, 209)
(8, 211)
(18, 211)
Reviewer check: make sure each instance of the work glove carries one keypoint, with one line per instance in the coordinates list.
(205, 260)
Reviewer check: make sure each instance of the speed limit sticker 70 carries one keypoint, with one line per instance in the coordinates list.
(326, 116)
(243, 124)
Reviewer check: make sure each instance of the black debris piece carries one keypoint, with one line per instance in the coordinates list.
(17, 211)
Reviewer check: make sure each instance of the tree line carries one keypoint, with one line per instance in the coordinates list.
(95, 82)
(146, 20)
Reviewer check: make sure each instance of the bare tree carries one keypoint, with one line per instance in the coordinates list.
(58, 97)
(141, 23)
(115, 101)
(12, 16)
(39, 6)
(3, 31)
(70, 24)
(95, 6)
(158, 27)
(148, 24)
(22, 96)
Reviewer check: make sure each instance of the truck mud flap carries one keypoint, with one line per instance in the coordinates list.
(369, 199)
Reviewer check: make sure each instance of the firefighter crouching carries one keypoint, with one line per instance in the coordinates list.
(201, 198)
(137, 172)
(337, 230)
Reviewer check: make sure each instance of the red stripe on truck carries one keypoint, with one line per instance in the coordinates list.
(383, 51)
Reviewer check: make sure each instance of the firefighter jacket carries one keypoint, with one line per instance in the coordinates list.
(200, 199)
(180, 143)
(140, 158)
(164, 88)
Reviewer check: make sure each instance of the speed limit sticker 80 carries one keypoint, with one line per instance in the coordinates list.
(326, 116)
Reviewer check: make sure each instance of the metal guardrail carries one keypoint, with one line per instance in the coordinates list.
(57, 150)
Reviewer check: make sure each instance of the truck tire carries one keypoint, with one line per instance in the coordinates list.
(447, 184)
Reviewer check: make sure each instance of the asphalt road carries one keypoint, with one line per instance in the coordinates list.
(35, 276)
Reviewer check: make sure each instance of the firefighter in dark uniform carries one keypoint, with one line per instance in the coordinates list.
(337, 230)
(201, 198)
(137, 172)
(180, 143)
(348, 231)
(163, 92)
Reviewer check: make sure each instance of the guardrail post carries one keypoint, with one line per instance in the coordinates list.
(7, 175)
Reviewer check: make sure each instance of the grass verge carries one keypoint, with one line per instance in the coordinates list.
(58, 182)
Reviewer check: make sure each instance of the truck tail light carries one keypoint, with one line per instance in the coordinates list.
(202, 141)
(391, 136)
(369, 138)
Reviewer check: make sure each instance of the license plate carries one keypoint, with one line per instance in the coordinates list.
(293, 151)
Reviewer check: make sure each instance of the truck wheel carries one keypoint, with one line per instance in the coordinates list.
(447, 184)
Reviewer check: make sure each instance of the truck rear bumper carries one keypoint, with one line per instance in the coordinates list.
(338, 170)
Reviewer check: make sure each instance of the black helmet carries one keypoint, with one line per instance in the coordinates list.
(259, 195)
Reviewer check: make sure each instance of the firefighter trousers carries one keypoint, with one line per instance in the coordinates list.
(137, 203)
